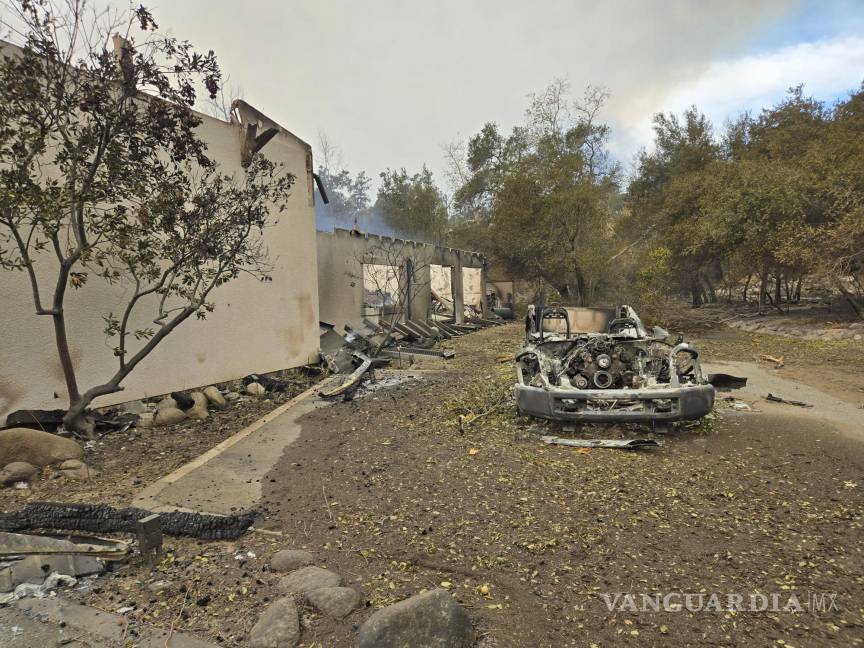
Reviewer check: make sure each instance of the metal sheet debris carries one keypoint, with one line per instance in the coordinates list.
(786, 401)
(626, 444)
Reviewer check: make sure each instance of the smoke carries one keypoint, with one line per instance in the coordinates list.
(369, 220)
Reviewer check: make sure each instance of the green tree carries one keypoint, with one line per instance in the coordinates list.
(540, 201)
(412, 204)
(102, 176)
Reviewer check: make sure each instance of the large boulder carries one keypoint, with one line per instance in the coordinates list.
(290, 559)
(277, 627)
(307, 579)
(36, 447)
(429, 620)
(17, 471)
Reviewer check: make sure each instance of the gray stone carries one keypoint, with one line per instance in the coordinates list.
(335, 602)
(290, 559)
(161, 586)
(135, 407)
(36, 447)
(145, 420)
(75, 469)
(307, 579)
(231, 396)
(432, 620)
(215, 397)
(17, 471)
(169, 416)
(277, 627)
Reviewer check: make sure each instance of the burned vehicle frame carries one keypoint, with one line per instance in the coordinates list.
(620, 373)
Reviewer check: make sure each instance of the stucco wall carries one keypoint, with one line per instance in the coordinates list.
(341, 255)
(256, 327)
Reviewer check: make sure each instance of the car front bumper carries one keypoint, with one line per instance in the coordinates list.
(616, 405)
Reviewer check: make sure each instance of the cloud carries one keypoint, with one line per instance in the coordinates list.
(827, 68)
(390, 81)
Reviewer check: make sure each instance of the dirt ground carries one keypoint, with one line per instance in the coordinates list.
(390, 493)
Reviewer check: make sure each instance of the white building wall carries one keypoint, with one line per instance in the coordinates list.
(256, 327)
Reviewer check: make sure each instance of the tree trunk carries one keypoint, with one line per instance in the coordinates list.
(859, 310)
(798, 290)
(695, 293)
(763, 290)
(746, 288)
(777, 286)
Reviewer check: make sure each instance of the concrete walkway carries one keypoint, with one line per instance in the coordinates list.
(227, 478)
(56, 622)
(845, 416)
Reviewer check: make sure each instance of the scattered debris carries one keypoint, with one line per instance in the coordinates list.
(627, 444)
(149, 533)
(725, 382)
(350, 385)
(38, 590)
(778, 362)
(779, 399)
(26, 559)
(98, 518)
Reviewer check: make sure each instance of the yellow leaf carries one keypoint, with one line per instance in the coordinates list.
(473, 451)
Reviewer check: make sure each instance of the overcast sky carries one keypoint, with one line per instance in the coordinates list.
(391, 81)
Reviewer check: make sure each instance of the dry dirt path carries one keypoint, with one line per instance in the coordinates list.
(529, 537)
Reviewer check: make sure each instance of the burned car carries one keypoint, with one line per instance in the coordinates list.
(594, 365)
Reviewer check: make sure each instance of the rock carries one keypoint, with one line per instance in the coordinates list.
(134, 407)
(307, 579)
(169, 416)
(290, 559)
(255, 389)
(277, 627)
(198, 410)
(335, 602)
(17, 471)
(161, 586)
(166, 403)
(36, 447)
(432, 619)
(74, 469)
(231, 396)
(856, 325)
(214, 396)
(857, 336)
(145, 420)
(184, 401)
